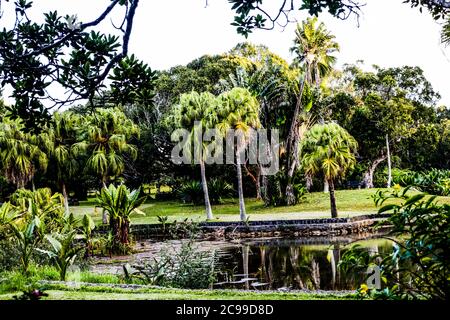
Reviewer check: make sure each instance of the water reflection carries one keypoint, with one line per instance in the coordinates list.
(290, 264)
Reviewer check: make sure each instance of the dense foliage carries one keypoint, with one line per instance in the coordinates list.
(418, 266)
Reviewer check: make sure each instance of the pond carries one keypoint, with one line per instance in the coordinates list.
(267, 264)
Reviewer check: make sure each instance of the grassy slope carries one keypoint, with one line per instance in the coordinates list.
(315, 205)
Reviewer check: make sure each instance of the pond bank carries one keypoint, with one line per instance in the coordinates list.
(272, 228)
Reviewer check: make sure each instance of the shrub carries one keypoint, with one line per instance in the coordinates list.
(186, 268)
(435, 181)
(418, 265)
(191, 192)
(218, 190)
(120, 203)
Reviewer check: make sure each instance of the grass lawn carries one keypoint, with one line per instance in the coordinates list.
(105, 293)
(316, 205)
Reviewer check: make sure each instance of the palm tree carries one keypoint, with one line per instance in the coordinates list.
(445, 34)
(238, 110)
(313, 46)
(106, 140)
(195, 113)
(63, 135)
(267, 84)
(328, 149)
(120, 203)
(20, 155)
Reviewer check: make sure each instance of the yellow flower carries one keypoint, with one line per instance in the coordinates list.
(364, 288)
(397, 187)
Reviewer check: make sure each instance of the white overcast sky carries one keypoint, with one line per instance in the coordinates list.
(172, 32)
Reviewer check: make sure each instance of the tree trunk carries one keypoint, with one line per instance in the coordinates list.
(104, 212)
(242, 213)
(326, 186)
(209, 214)
(389, 180)
(66, 197)
(292, 146)
(124, 232)
(258, 183)
(334, 212)
(368, 175)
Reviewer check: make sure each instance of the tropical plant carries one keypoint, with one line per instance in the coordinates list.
(20, 155)
(120, 203)
(186, 267)
(106, 142)
(7, 216)
(418, 265)
(238, 110)
(27, 236)
(195, 113)
(40, 203)
(191, 192)
(63, 134)
(63, 251)
(314, 46)
(87, 226)
(329, 150)
(219, 190)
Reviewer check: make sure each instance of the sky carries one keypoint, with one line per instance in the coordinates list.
(167, 33)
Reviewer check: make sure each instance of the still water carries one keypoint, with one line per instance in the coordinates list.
(266, 264)
(291, 264)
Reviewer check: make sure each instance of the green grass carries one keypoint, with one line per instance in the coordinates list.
(316, 205)
(63, 292)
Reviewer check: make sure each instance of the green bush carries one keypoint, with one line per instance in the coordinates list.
(435, 181)
(191, 192)
(219, 190)
(417, 267)
(185, 268)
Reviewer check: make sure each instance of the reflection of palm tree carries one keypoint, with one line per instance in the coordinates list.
(245, 253)
(334, 255)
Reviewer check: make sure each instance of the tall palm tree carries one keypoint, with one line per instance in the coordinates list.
(268, 88)
(314, 46)
(329, 150)
(63, 135)
(196, 113)
(238, 110)
(20, 155)
(106, 140)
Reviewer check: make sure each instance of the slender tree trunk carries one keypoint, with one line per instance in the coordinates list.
(245, 254)
(368, 175)
(258, 183)
(389, 180)
(124, 232)
(326, 186)
(209, 214)
(104, 212)
(334, 212)
(242, 213)
(292, 146)
(66, 197)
